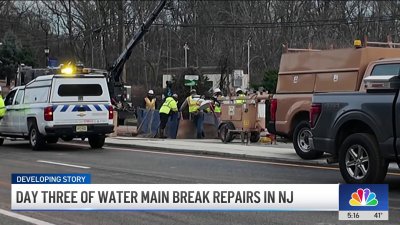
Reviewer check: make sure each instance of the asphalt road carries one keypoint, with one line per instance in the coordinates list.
(119, 165)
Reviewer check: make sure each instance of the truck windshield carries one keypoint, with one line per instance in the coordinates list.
(386, 69)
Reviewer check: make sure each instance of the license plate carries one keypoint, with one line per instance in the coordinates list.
(81, 128)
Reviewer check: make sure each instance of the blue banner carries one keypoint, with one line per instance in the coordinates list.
(363, 197)
(50, 178)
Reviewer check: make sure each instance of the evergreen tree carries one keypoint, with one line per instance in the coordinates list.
(13, 53)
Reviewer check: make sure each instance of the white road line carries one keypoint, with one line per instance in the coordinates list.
(63, 164)
(24, 218)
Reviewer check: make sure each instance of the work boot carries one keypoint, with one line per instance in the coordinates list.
(161, 133)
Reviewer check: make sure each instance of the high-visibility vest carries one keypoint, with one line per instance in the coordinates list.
(169, 104)
(217, 109)
(193, 104)
(217, 105)
(240, 100)
(150, 104)
(2, 107)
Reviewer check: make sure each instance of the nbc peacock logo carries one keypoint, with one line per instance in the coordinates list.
(363, 197)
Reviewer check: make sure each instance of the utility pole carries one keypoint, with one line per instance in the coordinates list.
(124, 78)
(186, 47)
(248, 60)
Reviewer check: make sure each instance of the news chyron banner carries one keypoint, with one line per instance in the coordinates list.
(63, 192)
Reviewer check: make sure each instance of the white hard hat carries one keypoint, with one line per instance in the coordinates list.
(151, 92)
(217, 90)
(238, 89)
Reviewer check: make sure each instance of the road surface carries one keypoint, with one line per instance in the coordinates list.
(124, 165)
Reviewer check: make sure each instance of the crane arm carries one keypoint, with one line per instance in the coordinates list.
(115, 71)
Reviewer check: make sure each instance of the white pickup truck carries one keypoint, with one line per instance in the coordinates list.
(59, 106)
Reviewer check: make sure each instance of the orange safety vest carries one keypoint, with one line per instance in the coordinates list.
(150, 104)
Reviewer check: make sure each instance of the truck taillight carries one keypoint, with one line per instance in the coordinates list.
(48, 113)
(315, 111)
(272, 109)
(110, 112)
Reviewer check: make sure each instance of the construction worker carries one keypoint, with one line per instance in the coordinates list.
(240, 96)
(169, 107)
(193, 103)
(150, 101)
(216, 102)
(2, 106)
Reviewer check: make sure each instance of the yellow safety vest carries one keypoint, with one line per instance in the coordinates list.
(217, 109)
(2, 107)
(193, 104)
(240, 99)
(169, 104)
(150, 104)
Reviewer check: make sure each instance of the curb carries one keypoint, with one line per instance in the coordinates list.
(223, 154)
(319, 162)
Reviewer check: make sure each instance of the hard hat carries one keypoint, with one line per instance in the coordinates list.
(151, 92)
(238, 89)
(193, 91)
(216, 90)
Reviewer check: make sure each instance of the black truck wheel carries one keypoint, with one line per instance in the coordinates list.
(301, 144)
(1, 141)
(360, 160)
(36, 140)
(97, 141)
(224, 135)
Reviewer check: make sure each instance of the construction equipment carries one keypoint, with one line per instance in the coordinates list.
(246, 120)
(116, 86)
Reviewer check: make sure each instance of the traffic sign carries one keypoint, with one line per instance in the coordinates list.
(191, 77)
(190, 83)
(191, 80)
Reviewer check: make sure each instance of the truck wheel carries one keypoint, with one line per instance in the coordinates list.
(360, 160)
(52, 140)
(1, 141)
(223, 132)
(97, 141)
(254, 137)
(301, 143)
(36, 140)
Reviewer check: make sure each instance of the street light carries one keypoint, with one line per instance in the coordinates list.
(46, 53)
(186, 47)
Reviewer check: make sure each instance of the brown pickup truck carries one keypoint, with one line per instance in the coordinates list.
(305, 72)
